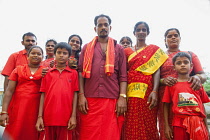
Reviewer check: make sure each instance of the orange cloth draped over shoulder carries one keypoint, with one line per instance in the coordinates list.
(88, 57)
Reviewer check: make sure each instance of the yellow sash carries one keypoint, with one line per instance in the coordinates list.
(157, 59)
(137, 89)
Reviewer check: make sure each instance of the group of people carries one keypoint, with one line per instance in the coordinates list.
(104, 90)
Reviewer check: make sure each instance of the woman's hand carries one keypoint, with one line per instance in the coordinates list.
(169, 81)
(152, 100)
(196, 82)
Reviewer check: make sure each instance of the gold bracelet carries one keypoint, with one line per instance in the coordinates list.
(39, 116)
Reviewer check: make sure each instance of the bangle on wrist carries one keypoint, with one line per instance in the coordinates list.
(162, 80)
(80, 93)
(154, 91)
(4, 112)
(39, 116)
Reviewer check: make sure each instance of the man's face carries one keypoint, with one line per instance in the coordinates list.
(28, 42)
(102, 28)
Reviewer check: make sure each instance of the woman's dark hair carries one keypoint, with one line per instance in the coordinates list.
(29, 51)
(141, 22)
(126, 37)
(51, 40)
(167, 31)
(78, 51)
(63, 45)
(181, 54)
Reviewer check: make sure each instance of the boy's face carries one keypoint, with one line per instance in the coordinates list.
(182, 65)
(61, 56)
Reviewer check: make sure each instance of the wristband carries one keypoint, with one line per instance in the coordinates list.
(123, 95)
(80, 93)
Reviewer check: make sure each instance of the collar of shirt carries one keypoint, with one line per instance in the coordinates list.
(24, 52)
(66, 68)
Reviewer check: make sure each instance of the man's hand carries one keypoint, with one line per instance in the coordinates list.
(83, 104)
(4, 120)
(121, 106)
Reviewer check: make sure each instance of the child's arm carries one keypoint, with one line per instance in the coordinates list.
(39, 123)
(168, 131)
(72, 121)
(6, 101)
(205, 121)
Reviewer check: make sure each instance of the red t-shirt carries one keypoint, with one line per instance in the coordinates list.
(185, 101)
(59, 91)
(15, 59)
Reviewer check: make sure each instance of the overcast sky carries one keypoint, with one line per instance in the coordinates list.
(58, 19)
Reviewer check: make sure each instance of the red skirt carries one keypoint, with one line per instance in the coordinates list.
(101, 122)
(140, 122)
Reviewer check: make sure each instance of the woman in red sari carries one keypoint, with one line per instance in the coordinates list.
(169, 76)
(21, 99)
(143, 81)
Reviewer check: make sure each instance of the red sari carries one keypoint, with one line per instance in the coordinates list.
(24, 106)
(167, 70)
(141, 123)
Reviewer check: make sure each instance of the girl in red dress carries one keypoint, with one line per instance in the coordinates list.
(21, 99)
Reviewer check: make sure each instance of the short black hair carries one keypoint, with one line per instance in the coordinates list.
(102, 15)
(181, 54)
(28, 34)
(51, 40)
(141, 22)
(126, 37)
(33, 48)
(63, 45)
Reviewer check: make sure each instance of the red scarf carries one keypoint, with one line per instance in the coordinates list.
(88, 56)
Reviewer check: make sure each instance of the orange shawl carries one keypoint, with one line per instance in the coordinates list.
(88, 56)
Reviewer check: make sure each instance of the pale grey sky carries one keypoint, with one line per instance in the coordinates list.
(59, 19)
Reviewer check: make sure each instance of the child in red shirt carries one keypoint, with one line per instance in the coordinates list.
(189, 122)
(57, 110)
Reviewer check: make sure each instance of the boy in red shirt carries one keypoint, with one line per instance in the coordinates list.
(57, 110)
(189, 122)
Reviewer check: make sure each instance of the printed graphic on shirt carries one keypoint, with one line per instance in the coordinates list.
(188, 103)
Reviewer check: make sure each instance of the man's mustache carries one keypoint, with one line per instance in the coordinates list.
(103, 31)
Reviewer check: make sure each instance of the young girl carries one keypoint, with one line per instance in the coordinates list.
(21, 99)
